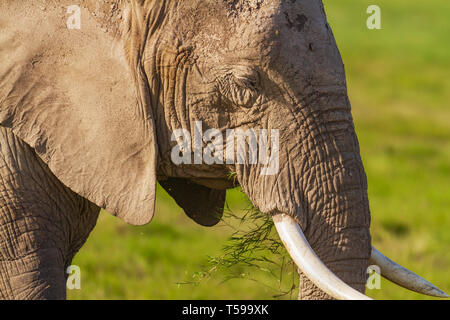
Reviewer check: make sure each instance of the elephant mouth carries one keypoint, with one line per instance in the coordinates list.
(309, 263)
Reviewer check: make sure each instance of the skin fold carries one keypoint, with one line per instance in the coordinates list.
(87, 117)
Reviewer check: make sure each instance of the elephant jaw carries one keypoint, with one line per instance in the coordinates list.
(309, 263)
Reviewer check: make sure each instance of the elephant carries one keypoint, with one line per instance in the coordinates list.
(88, 115)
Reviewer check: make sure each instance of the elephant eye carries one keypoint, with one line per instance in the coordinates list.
(247, 81)
(241, 89)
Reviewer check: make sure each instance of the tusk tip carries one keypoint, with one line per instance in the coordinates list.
(431, 290)
(403, 277)
(309, 263)
(441, 294)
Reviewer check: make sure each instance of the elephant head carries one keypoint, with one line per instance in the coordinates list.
(100, 106)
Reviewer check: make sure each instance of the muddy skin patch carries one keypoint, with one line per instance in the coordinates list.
(298, 23)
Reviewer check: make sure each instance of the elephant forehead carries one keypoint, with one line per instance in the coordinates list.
(265, 30)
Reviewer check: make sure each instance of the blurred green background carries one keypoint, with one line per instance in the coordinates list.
(399, 85)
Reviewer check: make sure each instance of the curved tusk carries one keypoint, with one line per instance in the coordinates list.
(309, 263)
(403, 277)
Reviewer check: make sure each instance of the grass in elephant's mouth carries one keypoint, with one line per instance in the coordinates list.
(253, 246)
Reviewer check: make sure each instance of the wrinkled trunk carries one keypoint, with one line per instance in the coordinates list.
(322, 185)
(339, 218)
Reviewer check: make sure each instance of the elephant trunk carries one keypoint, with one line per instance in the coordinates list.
(321, 188)
(322, 185)
(336, 204)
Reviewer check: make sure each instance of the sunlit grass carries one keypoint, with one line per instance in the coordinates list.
(399, 85)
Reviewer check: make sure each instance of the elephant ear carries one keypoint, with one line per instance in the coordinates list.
(202, 204)
(75, 98)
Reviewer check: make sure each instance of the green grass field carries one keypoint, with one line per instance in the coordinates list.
(399, 85)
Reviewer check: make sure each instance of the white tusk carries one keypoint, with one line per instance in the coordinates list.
(403, 277)
(309, 263)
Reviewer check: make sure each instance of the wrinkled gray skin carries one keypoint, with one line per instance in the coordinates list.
(87, 117)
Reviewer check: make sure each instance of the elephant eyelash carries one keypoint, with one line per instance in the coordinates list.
(249, 82)
(240, 87)
(245, 83)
